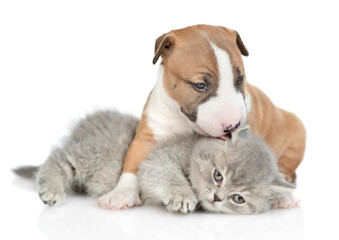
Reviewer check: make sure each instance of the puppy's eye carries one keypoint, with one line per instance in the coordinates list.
(217, 176)
(200, 86)
(238, 199)
(240, 80)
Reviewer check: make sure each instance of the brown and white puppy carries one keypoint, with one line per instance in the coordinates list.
(201, 88)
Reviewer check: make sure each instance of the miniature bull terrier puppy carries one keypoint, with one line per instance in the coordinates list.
(202, 88)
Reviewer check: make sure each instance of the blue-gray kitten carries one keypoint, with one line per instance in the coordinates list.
(239, 176)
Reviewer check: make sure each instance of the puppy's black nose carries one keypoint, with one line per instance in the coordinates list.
(216, 199)
(230, 128)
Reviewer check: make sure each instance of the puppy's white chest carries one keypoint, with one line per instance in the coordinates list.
(167, 125)
(163, 114)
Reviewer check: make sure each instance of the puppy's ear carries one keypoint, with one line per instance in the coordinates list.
(163, 46)
(241, 45)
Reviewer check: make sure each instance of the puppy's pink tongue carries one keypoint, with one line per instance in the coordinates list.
(223, 138)
(226, 137)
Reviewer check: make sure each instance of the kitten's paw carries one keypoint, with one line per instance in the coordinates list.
(52, 197)
(124, 195)
(184, 203)
(288, 201)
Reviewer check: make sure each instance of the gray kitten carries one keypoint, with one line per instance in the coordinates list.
(238, 176)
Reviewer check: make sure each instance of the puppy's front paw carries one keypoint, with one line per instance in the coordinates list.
(288, 201)
(118, 199)
(51, 196)
(124, 195)
(184, 202)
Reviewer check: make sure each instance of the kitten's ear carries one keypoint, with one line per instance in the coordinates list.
(241, 131)
(280, 187)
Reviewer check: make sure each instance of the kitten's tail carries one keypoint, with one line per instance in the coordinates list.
(29, 172)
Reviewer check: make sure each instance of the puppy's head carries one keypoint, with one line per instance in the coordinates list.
(204, 74)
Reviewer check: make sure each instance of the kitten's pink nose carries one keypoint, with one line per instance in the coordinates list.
(216, 198)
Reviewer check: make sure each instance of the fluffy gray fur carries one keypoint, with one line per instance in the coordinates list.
(179, 175)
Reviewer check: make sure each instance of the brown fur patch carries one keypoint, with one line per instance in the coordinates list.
(142, 144)
(281, 130)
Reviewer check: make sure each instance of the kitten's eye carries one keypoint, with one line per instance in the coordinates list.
(238, 199)
(217, 176)
(200, 86)
(240, 80)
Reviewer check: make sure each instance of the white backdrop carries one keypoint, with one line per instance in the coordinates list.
(62, 59)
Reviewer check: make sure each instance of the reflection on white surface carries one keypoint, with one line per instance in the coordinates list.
(80, 218)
